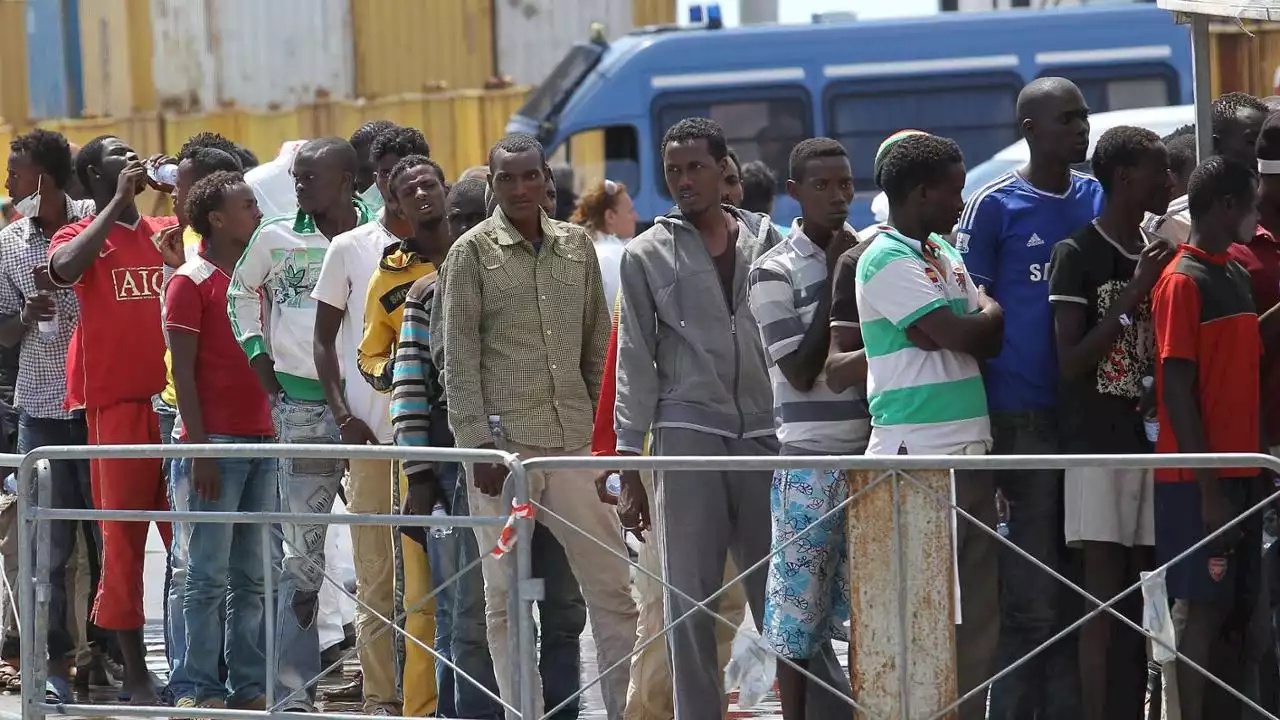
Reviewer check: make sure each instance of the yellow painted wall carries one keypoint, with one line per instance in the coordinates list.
(652, 12)
(421, 45)
(14, 99)
(116, 52)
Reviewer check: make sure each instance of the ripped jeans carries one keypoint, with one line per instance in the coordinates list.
(306, 486)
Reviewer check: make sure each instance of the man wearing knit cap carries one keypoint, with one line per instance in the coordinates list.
(1007, 233)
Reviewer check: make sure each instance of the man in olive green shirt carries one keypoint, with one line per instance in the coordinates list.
(525, 331)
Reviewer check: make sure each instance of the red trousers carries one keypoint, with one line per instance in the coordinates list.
(125, 484)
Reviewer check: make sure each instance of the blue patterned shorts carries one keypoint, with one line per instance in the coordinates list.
(807, 600)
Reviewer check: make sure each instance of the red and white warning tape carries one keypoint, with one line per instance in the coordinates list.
(507, 538)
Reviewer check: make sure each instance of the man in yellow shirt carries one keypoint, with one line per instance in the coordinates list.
(417, 186)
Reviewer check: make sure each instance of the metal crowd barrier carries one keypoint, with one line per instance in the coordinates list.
(34, 515)
(895, 471)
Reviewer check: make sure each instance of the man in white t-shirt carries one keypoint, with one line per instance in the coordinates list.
(363, 416)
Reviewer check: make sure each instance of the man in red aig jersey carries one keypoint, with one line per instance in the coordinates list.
(115, 364)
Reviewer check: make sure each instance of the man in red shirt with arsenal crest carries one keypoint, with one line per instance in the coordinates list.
(115, 364)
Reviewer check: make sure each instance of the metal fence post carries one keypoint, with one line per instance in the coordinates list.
(903, 607)
(27, 480)
(530, 591)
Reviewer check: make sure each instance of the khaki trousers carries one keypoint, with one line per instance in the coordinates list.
(369, 492)
(604, 577)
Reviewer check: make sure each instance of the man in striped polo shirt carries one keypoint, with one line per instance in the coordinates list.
(925, 326)
(789, 288)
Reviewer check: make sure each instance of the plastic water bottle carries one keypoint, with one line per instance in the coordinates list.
(48, 329)
(613, 484)
(164, 174)
(497, 432)
(10, 484)
(1003, 529)
(1150, 421)
(439, 532)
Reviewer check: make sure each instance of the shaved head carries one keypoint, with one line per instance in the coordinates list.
(1054, 119)
(1044, 94)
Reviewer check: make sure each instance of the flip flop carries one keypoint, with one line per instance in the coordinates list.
(10, 678)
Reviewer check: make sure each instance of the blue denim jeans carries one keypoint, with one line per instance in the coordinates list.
(306, 486)
(1031, 601)
(460, 627)
(70, 488)
(225, 569)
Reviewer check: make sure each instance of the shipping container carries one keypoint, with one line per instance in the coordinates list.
(280, 54)
(412, 46)
(53, 59)
(652, 12)
(262, 56)
(13, 64)
(116, 57)
(533, 35)
(184, 65)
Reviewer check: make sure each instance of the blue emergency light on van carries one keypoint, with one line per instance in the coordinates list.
(769, 86)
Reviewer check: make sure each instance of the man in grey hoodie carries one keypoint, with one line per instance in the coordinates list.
(691, 369)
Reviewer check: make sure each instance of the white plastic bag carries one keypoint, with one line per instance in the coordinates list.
(1156, 618)
(336, 608)
(750, 669)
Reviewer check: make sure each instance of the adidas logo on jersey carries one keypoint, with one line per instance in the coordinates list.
(1035, 241)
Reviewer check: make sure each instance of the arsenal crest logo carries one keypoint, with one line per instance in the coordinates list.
(1217, 568)
(959, 277)
(932, 274)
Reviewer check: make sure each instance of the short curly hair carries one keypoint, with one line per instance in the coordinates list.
(368, 132)
(409, 163)
(1226, 108)
(208, 140)
(917, 160)
(698, 128)
(207, 196)
(811, 149)
(399, 141)
(48, 151)
(1218, 178)
(1122, 146)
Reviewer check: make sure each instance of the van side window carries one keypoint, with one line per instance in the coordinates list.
(977, 111)
(1120, 87)
(611, 153)
(762, 125)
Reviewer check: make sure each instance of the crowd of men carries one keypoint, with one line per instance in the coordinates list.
(1053, 312)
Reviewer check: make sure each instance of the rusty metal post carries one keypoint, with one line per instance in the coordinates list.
(902, 586)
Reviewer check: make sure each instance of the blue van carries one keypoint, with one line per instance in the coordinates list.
(771, 86)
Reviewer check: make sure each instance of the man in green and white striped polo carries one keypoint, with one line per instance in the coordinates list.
(925, 325)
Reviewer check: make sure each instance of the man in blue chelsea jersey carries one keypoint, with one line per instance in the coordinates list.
(1007, 233)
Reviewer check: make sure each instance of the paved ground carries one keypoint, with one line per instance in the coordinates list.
(593, 710)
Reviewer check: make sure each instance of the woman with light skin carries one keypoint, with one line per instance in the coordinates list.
(607, 211)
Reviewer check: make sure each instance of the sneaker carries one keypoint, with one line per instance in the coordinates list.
(186, 702)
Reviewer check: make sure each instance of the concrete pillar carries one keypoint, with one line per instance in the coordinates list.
(902, 635)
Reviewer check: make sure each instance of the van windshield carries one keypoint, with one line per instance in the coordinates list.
(552, 94)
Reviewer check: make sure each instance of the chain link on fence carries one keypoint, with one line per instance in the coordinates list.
(899, 476)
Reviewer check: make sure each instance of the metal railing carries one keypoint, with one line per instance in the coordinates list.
(895, 470)
(35, 514)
